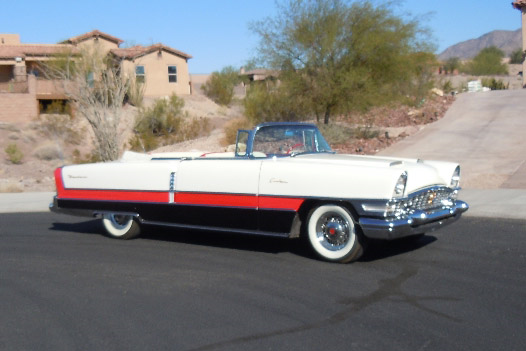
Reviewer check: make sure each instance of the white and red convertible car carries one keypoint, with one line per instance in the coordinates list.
(282, 180)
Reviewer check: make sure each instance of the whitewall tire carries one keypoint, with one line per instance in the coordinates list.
(120, 226)
(332, 234)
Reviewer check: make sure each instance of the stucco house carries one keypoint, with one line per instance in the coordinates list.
(162, 69)
(23, 87)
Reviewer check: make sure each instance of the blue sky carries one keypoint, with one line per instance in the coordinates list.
(216, 32)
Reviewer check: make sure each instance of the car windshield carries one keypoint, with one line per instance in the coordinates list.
(283, 140)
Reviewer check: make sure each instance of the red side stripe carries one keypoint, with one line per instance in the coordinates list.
(281, 203)
(216, 199)
(115, 195)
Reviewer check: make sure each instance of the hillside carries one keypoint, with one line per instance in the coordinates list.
(506, 40)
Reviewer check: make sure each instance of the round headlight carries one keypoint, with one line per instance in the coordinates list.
(455, 178)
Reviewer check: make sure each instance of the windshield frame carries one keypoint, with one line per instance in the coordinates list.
(281, 134)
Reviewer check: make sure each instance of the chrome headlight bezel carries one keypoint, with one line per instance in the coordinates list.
(455, 179)
(400, 186)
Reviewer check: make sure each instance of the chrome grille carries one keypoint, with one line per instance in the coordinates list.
(424, 200)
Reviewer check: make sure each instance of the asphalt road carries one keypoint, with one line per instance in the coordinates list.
(63, 286)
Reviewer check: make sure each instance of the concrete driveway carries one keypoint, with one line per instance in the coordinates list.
(484, 132)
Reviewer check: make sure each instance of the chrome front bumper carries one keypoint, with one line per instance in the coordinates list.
(417, 222)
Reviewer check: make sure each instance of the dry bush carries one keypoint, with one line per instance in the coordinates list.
(11, 187)
(48, 152)
(336, 133)
(8, 126)
(14, 155)
(165, 123)
(231, 129)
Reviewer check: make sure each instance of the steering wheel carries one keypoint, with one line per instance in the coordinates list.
(295, 146)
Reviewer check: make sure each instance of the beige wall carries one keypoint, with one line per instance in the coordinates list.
(9, 39)
(104, 45)
(156, 73)
(19, 108)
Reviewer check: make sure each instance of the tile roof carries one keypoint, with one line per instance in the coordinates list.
(519, 4)
(93, 33)
(25, 50)
(138, 51)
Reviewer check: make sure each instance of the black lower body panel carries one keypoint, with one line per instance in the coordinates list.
(271, 222)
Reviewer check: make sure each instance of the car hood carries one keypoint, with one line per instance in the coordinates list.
(420, 173)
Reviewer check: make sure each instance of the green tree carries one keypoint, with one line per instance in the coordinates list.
(516, 57)
(220, 86)
(271, 102)
(487, 62)
(341, 56)
(452, 64)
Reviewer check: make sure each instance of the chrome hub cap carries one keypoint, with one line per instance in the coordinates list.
(120, 221)
(332, 231)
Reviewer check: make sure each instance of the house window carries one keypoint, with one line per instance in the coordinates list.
(139, 74)
(172, 74)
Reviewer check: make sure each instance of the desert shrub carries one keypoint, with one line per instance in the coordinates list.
(220, 86)
(366, 132)
(48, 152)
(487, 62)
(447, 87)
(516, 57)
(494, 84)
(10, 127)
(88, 158)
(451, 64)
(135, 93)
(165, 123)
(11, 187)
(60, 127)
(335, 133)
(232, 127)
(14, 155)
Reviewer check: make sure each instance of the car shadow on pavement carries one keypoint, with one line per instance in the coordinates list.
(376, 250)
(381, 249)
(92, 226)
(218, 239)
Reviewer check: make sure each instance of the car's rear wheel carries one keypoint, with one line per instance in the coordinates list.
(121, 226)
(332, 234)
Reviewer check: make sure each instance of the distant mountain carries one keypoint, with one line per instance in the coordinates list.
(506, 40)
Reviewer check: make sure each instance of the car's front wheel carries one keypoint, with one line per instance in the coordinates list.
(120, 226)
(332, 234)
